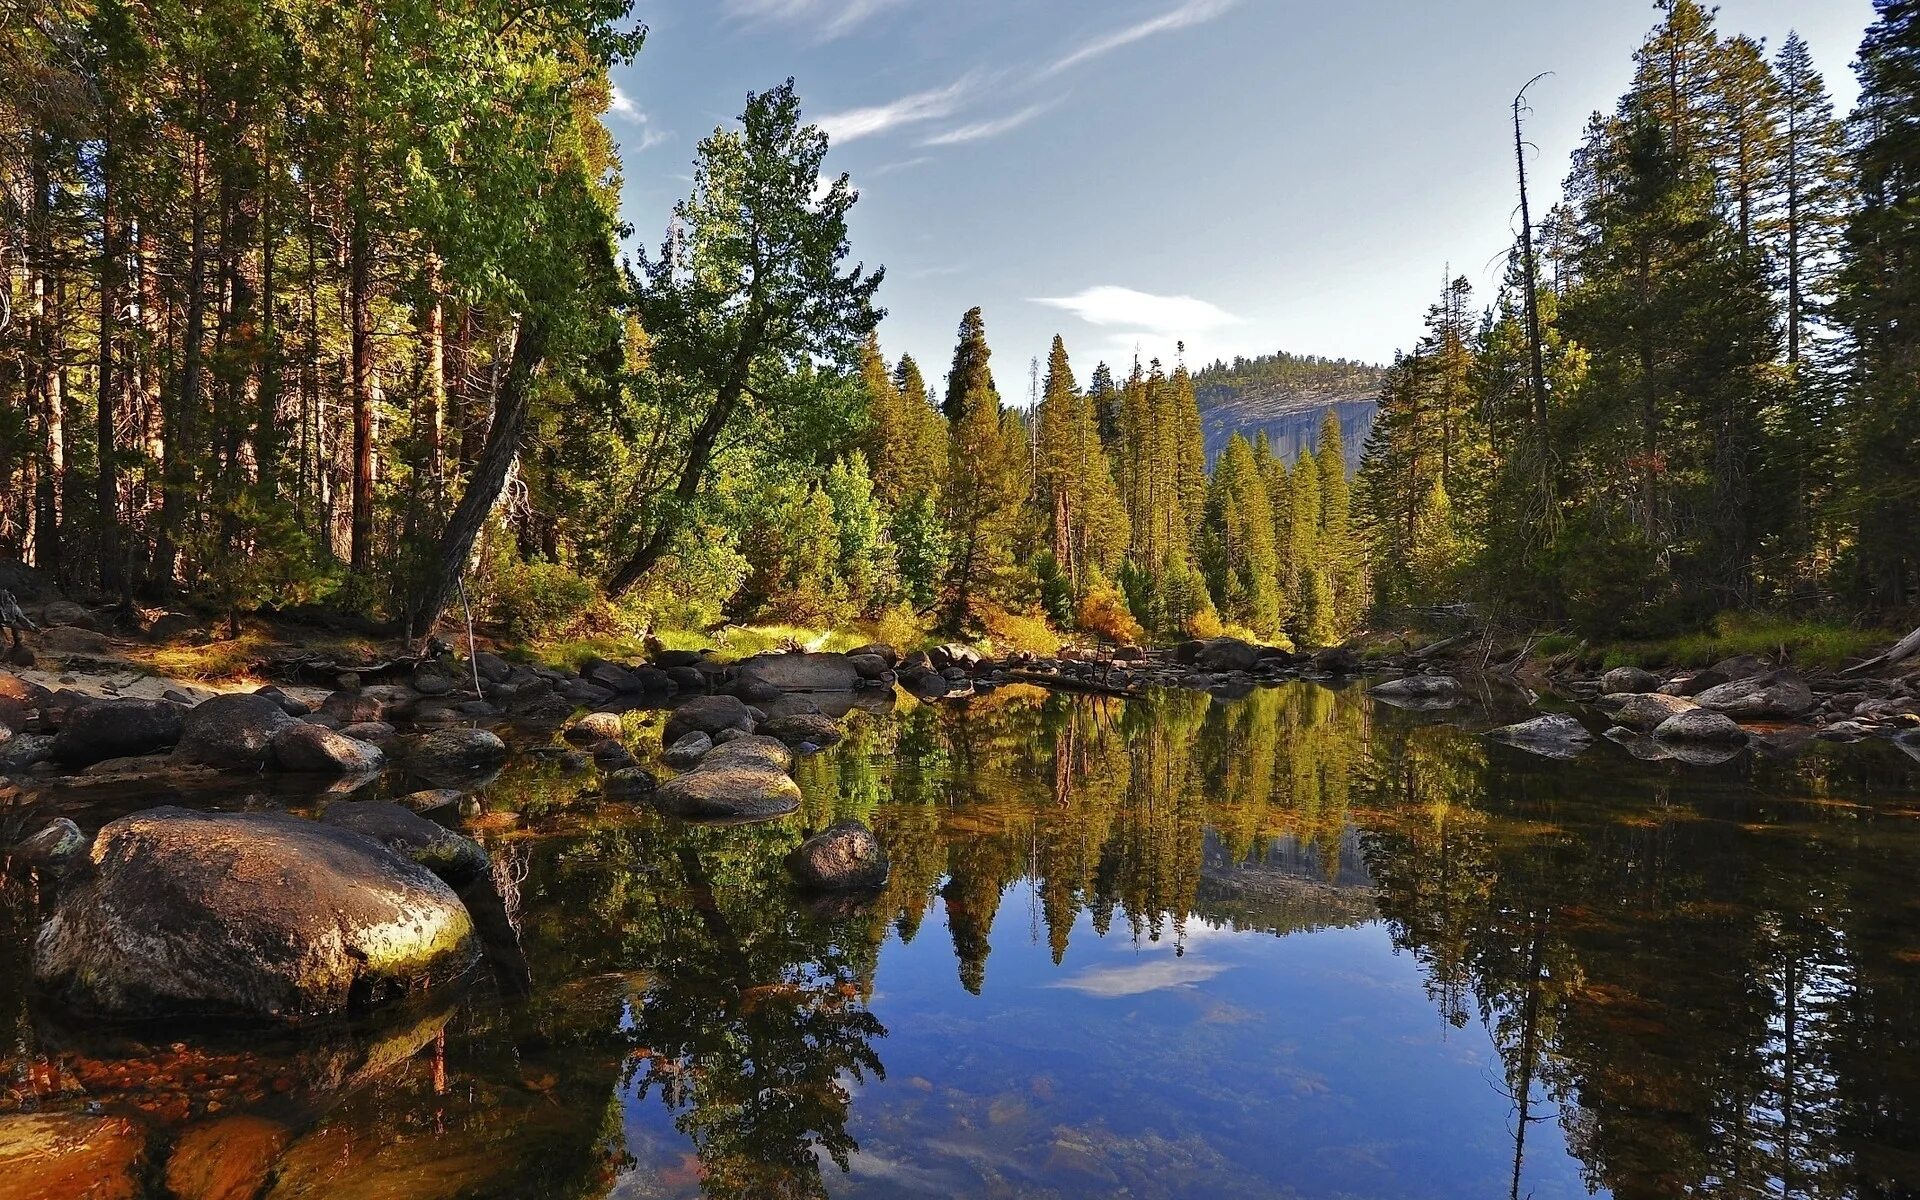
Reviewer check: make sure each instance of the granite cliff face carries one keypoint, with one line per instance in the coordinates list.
(1287, 396)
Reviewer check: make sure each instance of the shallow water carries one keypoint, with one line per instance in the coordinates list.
(1289, 945)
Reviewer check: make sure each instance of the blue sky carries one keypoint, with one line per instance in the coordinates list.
(1243, 175)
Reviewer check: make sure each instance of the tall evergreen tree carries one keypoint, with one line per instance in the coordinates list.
(987, 477)
(1881, 306)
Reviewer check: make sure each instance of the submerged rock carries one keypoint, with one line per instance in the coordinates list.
(452, 856)
(628, 783)
(260, 916)
(595, 727)
(1418, 687)
(226, 1158)
(803, 729)
(233, 731)
(47, 1155)
(845, 857)
(106, 729)
(1555, 735)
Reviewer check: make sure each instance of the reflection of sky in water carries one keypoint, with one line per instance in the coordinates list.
(1312, 1065)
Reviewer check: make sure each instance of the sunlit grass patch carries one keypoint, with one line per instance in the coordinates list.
(1807, 643)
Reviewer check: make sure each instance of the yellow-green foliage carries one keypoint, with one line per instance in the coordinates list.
(1806, 643)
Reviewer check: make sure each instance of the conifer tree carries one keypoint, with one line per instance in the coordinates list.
(987, 475)
(1086, 521)
(1881, 307)
(1237, 555)
(1339, 556)
(1313, 595)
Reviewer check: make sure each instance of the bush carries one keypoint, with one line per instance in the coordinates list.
(1103, 612)
(540, 599)
(1010, 631)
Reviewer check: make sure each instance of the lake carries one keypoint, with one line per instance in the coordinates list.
(1294, 944)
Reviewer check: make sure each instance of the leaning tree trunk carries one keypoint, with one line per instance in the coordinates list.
(488, 477)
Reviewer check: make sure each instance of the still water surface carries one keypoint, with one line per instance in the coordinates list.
(1289, 945)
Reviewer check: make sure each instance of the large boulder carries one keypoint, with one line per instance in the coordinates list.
(235, 730)
(709, 715)
(115, 729)
(745, 779)
(315, 749)
(1699, 725)
(953, 654)
(845, 857)
(1778, 695)
(1628, 679)
(880, 650)
(448, 751)
(72, 639)
(804, 729)
(803, 672)
(1644, 710)
(66, 612)
(1226, 654)
(453, 857)
(259, 916)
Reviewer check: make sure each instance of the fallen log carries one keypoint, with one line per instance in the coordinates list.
(1902, 650)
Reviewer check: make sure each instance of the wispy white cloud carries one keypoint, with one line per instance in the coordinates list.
(1112, 983)
(903, 165)
(621, 106)
(831, 18)
(931, 105)
(980, 131)
(1185, 15)
(1108, 305)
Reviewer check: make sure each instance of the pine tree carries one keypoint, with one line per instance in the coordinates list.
(1881, 307)
(1087, 525)
(1312, 593)
(987, 476)
(1339, 556)
(1237, 555)
(969, 374)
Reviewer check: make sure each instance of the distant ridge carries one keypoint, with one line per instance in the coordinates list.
(1287, 396)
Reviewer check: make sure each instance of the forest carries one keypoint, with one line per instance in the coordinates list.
(315, 305)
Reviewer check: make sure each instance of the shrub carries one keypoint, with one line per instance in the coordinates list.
(1009, 631)
(540, 599)
(1103, 612)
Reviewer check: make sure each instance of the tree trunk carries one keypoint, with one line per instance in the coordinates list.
(105, 488)
(488, 478)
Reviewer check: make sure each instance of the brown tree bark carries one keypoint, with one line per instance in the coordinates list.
(488, 477)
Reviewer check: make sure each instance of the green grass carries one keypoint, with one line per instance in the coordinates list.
(1806, 643)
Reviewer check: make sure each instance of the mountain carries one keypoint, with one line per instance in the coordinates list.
(1287, 395)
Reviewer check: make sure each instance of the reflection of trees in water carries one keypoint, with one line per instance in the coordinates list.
(1716, 997)
(1099, 803)
(752, 1018)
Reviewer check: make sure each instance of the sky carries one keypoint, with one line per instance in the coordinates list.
(1243, 176)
